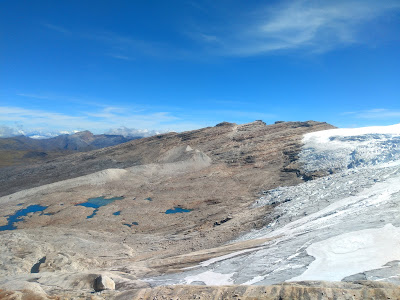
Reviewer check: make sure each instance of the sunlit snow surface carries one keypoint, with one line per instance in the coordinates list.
(345, 226)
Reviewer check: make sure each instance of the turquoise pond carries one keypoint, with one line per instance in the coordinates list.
(19, 214)
(96, 203)
(176, 210)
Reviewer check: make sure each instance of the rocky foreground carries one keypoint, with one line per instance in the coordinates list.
(285, 291)
(200, 207)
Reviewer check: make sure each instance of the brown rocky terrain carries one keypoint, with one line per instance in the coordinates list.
(243, 161)
(362, 290)
(298, 290)
(215, 173)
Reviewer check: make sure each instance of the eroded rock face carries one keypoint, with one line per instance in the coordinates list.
(103, 282)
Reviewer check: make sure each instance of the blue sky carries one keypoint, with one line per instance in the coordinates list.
(181, 65)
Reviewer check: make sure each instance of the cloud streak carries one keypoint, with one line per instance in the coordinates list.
(121, 57)
(100, 121)
(375, 114)
(311, 26)
(112, 119)
(125, 47)
(317, 26)
(57, 28)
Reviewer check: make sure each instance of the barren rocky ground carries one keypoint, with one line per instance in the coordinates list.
(213, 174)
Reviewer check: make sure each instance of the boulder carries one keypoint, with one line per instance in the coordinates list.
(103, 282)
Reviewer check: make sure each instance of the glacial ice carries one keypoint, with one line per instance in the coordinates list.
(338, 227)
(351, 253)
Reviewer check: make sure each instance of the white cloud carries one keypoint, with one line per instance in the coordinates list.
(133, 132)
(312, 25)
(6, 131)
(17, 120)
(318, 26)
(37, 133)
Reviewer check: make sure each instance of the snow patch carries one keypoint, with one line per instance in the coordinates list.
(211, 278)
(254, 280)
(211, 261)
(352, 253)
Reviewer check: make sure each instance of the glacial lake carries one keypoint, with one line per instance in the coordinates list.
(96, 203)
(176, 210)
(19, 214)
(130, 225)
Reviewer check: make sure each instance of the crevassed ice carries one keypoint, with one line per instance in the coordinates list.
(339, 149)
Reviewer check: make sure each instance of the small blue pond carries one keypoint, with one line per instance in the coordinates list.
(96, 203)
(19, 214)
(130, 225)
(148, 199)
(177, 210)
(117, 213)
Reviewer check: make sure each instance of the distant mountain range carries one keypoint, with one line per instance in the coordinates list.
(25, 150)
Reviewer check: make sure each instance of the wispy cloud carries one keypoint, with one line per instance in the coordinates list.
(313, 26)
(17, 119)
(125, 44)
(233, 102)
(317, 26)
(374, 114)
(208, 38)
(119, 56)
(127, 47)
(124, 47)
(42, 97)
(57, 28)
(56, 97)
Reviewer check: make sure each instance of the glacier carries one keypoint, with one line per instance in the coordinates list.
(341, 227)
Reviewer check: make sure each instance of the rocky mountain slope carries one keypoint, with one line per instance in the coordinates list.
(25, 150)
(340, 227)
(231, 204)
